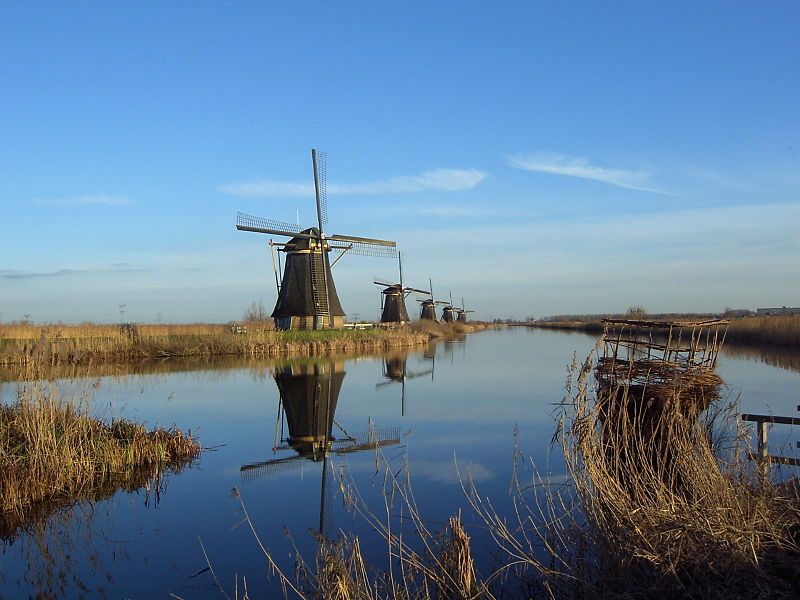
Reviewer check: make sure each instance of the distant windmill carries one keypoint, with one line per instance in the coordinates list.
(428, 308)
(307, 297)
(462, 313)
(448, 312)
(393, 298)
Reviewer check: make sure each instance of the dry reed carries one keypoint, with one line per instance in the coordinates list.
(53, 453)
(781, 330)
(89, 344)
(657, 508)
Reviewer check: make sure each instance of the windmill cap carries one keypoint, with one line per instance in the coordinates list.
(303, 243)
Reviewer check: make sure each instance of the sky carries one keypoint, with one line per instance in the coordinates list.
(533, 158)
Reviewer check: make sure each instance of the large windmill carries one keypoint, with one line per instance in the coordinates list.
(428, 306)
(393, 298)
(307, 297)
(461, 313)
(308, 394)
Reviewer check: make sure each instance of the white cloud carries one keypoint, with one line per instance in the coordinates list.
(574, 166)
(97, 199)
(450, 472)
(447, 180)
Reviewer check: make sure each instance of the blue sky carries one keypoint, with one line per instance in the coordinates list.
(532, 157)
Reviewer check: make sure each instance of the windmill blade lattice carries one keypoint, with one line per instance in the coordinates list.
(368, 440)
(377, 250)
(320, 173)
(245, 220)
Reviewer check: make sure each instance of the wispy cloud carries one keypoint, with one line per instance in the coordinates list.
(446, 180)
(114, 268)
(575, 166)
(97, 199)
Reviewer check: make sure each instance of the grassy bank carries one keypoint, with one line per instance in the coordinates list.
(783, 330)
(54, 453)
(88, 344)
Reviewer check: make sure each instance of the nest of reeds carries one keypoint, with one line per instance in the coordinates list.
(664, 513)
(658, 382)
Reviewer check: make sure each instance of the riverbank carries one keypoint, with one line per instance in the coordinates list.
(782, 330)
(52, 345)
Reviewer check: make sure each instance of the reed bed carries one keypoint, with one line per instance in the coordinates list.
(53, 453)
(781, 330)
(88, 344)
(772, 329)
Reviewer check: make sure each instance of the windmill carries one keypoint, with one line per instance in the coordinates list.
(395, 370)
(428, 308)
(393, 298)
(448, 312)
(462, 313)
(308, 394)
(307, 297)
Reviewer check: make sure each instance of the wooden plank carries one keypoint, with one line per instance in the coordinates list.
(770, 419)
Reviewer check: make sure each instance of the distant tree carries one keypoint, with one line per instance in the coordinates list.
(636, 312)
(256, 312)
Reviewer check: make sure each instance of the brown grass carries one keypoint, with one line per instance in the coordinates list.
(88, 344)
(655, 510)
(772, 329)
(53, 453)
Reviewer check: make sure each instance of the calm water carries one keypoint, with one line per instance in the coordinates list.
(458, 402)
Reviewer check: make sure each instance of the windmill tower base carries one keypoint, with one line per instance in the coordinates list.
(308, 323)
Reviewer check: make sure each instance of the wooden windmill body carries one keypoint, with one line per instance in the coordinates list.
(461, 313)
(428, 305)
(307, 297)
(393, 298)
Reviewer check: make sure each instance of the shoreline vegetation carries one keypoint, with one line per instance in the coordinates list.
(783, 330)
(52, 345)
(55, 453)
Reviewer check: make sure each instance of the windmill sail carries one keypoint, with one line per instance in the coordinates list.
(307, 297)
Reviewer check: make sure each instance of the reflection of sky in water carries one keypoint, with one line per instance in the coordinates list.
(465, 413)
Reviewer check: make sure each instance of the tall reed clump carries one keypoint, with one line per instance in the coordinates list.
(661, 507)
(53, 452)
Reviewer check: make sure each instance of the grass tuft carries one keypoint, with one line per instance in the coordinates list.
(54, 453)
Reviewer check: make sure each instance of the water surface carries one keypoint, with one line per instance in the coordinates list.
(460, 404)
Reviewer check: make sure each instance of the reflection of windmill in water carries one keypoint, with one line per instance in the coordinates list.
(428, 305)
(307, 297)
(395, 370)
(308, 394)
(451, 342)
(393, 298)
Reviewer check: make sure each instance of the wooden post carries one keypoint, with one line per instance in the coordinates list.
(763, 450)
